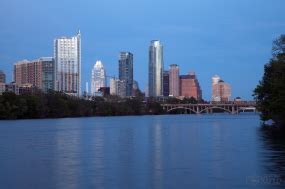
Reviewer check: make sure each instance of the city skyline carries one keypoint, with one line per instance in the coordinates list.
(42, 72)
(203, 41)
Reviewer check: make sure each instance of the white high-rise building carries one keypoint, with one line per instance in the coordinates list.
(155, 67)
(67, 54)
(98, 77)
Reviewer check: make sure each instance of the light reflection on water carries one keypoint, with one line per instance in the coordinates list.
(176, 151)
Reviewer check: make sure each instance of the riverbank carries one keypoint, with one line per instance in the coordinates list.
(60, 105)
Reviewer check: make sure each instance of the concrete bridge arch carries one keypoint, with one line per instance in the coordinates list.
(181, 107)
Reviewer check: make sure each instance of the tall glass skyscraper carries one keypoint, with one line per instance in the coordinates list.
(155, 67)
(67, 55)
(126, 72)
(98, 77)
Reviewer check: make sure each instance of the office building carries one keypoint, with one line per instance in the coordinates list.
(126, 73)
(67, 54)
(155, 74)
(98, 78)
(174, 80)
(189, 86)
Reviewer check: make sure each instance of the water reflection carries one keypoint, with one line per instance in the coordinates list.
(67, 156)
(273, 157)
(187, 151)
(156, 153)
(98, 158)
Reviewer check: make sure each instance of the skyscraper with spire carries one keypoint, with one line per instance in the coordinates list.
(98, 77)
(155, 69)
(67, 54)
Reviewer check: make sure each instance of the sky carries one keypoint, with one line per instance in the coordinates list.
(231, 38)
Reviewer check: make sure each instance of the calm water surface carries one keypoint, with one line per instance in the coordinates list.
(179, 151)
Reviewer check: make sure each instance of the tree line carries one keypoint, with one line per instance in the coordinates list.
(57, 105)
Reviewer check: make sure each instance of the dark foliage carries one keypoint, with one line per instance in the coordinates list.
(57, 105)
(186, 100)
(270, 93)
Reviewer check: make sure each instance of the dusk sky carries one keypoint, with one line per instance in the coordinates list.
(231, 38)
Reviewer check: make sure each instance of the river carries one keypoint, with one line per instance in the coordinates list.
(169, 151)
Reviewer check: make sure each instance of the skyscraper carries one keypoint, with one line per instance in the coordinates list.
(126, 73)
(221, 91)
(67, 54)
(166, 83)
(155, 67)
(38, 73)
(98, 77)
(174, 80)
(189, 86)
(2, 77)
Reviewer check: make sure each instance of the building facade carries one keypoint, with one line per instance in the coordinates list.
(221, 91)
(47, 73)
(67, 54)
(114, 86)
(166, 83)
(118, 87)
(98, 78)
(2, 77)
(190, 87)
(126, 73)
(122, 92)
(155, 67)
(174, 80)
(38, 73)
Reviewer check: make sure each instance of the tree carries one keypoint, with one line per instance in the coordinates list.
(270, 93)
(190, 100)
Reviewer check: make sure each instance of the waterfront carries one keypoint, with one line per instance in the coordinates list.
(169, 151)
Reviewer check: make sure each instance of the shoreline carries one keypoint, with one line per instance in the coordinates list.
(141, 115)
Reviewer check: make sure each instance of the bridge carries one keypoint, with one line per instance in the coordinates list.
(230, 107)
